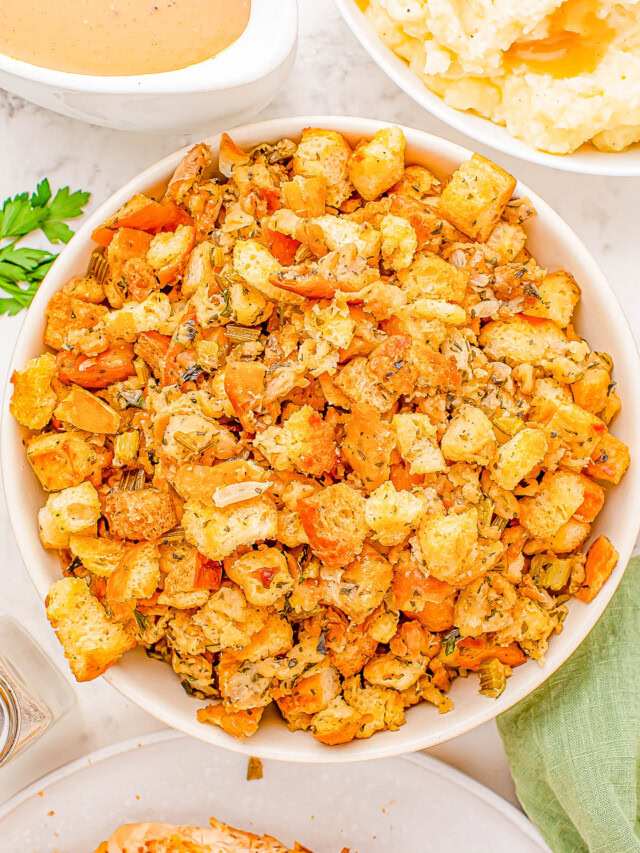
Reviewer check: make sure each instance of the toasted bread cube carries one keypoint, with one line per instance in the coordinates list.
(475, 197)
(138, 574)
(85, 411)
(169, 252)
(518, 456)
(33, 400)
(392, 514)
(367, 446)
(591, 392)
(446, 541)
(238, 724)
(242, 685)
(559, 295)
(325, 153)
(305, 196)
(581, 431)
(434, 278)
(569, 537)
(313, 692)
(263, 575)
(334, 522)
(218, 532)
(360, 385)
(98, 555)
(377, 165)
(64, 459)
(439, 310)
(73, 510)
(610, 460)
(69, 314)
(305, 442)
(338, 233)
(361, 587)
(507, 240)
(91, 641)
(520, 339)
(337, 723)
(416, 437)
(469, 437)
(140, 514)
(560, 495)
(85, 288)
(256, 265)
(136, 317)
(383, 706)
(330, 322)
(399, 241)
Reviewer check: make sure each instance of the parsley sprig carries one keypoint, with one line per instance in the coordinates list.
(22, 269)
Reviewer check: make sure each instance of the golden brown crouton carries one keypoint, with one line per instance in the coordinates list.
(518, 456)
(445, 543)
(333, 519)
(256, 265)
(520, 339)
(141, 514)
(475, 197)
(416, 437)
(33, 399)
(360, 385)
(91, 641)
(337, 723)
(219, 532)
(138, 574)
(324, 153)
(362, 585)
(73, 510)
(469, 437)
(85, 411)
(367, 446)
(169, 252)
(399, 241)
(377, 165)
(64, 459)
(435, 278)
(559, 496)
(263, 575)
(100, 556)
(392, 514)
(305, 442)
(610, 460)
(559, 295)
(68, 314)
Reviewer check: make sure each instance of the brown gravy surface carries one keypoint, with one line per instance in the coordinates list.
(119, 37)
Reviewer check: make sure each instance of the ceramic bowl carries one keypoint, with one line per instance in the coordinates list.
(220, 92)
(151, 684)
(587, 159)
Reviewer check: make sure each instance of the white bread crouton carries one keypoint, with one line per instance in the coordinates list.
(304, 442)
(399, 241)
(518, 456)
(446, 541)
(33, 400)
(416, 437)
(216, 533)
(256, 265)
(520, 339)
(559, 295)
(138, 574)
(378, 164)
(325, 153)
(435, 278)
(469, 437)
(91, 641)
(73, 510)
(99, 556)
(391, 514)
(560, 495)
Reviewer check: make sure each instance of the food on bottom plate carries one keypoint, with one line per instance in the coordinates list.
(166, 838)
(323, 437)
(555, 74)
(121, 37)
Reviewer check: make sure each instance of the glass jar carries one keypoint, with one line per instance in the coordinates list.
(33, 693)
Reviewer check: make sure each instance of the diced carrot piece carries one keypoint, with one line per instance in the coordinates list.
(602, 559)
(281, 246)
(592, 503)
(470, 652)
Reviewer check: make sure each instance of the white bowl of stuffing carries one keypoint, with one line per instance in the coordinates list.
(190, 66)
(320, 434)
(556, 83)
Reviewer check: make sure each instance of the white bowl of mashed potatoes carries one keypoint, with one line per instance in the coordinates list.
(556, 83)
(172, 65)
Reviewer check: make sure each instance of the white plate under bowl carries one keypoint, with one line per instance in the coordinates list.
(587, 159)
(407, 805)
(152, 684)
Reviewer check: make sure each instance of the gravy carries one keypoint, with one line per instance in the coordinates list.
(119, 37)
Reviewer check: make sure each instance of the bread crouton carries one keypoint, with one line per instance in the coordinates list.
(610, 460)
(73, 510)
(469, 437)
(263, 575)
(360, 385)
(337, 233)
(433, 277)
(399, 242)
(91, 641)
(392, 514)
(560, 494)
(325, 153)
(416, 437)
(567, 538)
(361, 587)
(475, 197)
(337, 723)
(238, 724)
(367, 446)
(136, 317)
(64, 459)
(377, 165)
(383, 705)
(319, 685)
(602, 558)
(169, 252)
(99, 556)
(141, 514)
(520, 339)
(581, 432)
(85, 411)
(485, 605)
(33, 400)
(446, 542)
(518, 456)
(241, 684)
(391, 671)
(138, 574)
(228, 621)
(67, 314)
(305, 442)
(559, 295)
(330, 322)
(256, 265)
(333, 520)
(305, 196)
(216, 533)
(507, 240)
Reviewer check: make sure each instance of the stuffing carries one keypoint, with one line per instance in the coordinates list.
(324, 438)
(217, 532)
(475, 197)
(141, 514)
(33, 400)
(72, 510)
(469, 437)
(91, 641)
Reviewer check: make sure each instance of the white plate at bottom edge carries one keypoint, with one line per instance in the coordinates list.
(395, 805)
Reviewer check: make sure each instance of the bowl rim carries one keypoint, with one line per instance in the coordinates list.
(295, 749)
(226, 70)
(478, 128)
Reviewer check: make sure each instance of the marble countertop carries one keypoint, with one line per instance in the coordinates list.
(333, 74)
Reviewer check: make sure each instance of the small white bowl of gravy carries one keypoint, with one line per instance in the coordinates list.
(148, 65)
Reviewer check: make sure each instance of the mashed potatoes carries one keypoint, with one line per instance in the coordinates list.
(555, 74)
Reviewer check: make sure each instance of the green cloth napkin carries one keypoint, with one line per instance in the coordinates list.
(574, 743)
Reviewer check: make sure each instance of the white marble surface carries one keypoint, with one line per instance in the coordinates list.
(333, 74)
